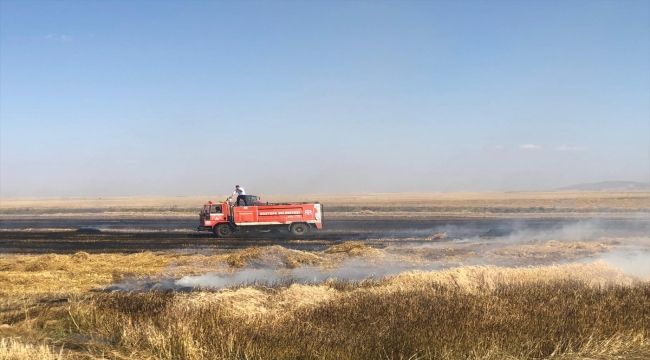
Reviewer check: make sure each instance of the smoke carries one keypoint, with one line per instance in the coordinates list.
(631, 262)
(582, 230)
(512, 230)
(355, 269)
(350, 270)
(244, 277)
(512, 246)
(583, 241)
(512, 233)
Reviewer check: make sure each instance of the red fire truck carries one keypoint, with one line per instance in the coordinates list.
(225, 218)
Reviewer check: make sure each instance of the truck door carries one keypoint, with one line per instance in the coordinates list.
(205, 213)
(216, 215)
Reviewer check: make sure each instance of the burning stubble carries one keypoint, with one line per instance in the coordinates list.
(355, 261)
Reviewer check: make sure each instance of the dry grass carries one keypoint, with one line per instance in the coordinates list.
(14, 349)
(476, 312)
(481, 312)
(28, 275)
(353, 248)
(553, 249)
(40, 275)
(428, 204)
(438, 236)
(272, 257)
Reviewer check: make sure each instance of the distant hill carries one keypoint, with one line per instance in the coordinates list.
(608, 186)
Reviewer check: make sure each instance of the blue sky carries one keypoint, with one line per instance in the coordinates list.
(111, 98)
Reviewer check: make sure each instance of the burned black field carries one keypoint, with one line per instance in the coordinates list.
(67, 236)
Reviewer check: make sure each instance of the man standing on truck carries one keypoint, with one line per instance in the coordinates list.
(240, 194)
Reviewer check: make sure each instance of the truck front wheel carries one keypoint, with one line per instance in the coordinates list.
(222, 230)
(299, 229)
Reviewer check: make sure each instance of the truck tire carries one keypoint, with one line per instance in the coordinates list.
(222, 230)
(299, 229)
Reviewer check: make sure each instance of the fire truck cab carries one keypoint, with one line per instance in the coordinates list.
(225, 218)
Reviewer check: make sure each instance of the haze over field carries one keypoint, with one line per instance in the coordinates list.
(185, 98)
(608, 186)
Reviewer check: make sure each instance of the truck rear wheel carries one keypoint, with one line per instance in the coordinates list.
(299, 229)
(222, 230)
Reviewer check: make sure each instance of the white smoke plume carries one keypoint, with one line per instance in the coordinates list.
(512, 246)
(353, 269)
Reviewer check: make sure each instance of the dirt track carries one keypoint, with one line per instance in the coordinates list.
(135, 235)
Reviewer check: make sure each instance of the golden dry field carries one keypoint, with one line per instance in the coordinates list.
(483, 299)
(490, 204)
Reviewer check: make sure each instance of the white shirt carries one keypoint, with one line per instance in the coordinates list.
(239, 191)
